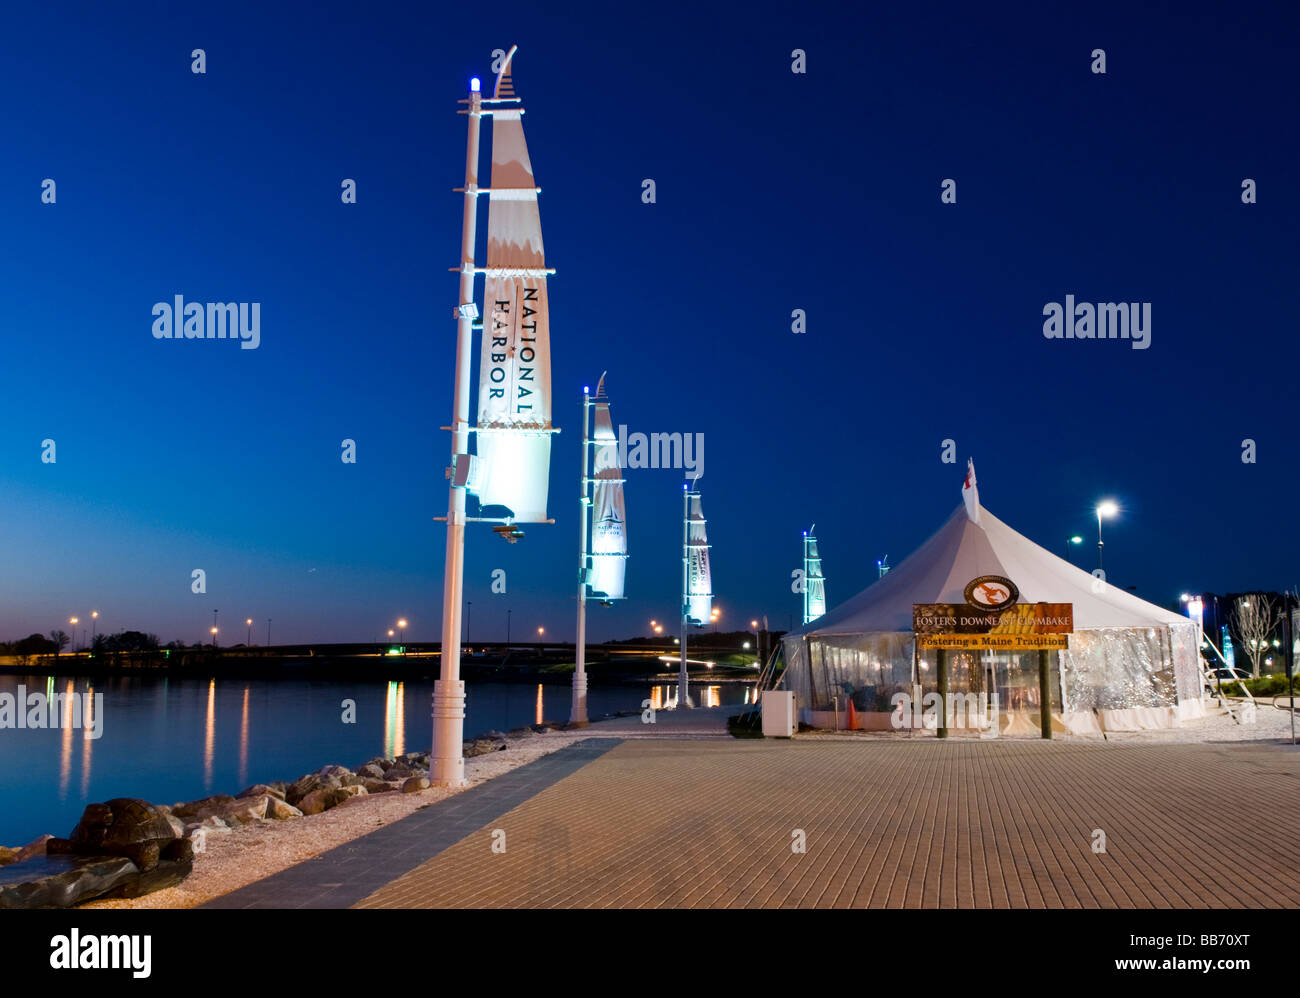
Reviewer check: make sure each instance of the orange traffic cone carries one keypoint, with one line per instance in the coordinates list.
(853, 717)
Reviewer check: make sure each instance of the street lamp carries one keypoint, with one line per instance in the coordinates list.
(73, 622)
(401, 630)
(1105, 508)
(214, 637)
(249, 622)
(94, 621)
(1075, 539)
(541, 631)
(757, 643)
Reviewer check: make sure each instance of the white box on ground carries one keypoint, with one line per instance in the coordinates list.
(778, 713)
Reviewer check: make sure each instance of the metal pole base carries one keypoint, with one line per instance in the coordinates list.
(578, 712)
(447, 767)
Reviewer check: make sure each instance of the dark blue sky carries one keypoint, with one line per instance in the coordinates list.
(775, 191)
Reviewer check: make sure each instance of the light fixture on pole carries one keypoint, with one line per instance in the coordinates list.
(72, 642)
(249, 622)
(1105, 509)
(94, 623)
(1073, 539)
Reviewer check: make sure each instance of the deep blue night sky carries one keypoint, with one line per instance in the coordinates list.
(776, 191)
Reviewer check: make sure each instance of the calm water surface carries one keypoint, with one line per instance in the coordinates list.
(169, 740)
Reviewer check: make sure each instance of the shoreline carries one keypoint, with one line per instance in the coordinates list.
(256, 850)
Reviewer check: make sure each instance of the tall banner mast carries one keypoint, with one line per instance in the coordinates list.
(578, 710)
(447, 764)
(510, 469)
(602, 568)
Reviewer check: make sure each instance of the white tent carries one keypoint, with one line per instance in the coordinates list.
(1130, 664)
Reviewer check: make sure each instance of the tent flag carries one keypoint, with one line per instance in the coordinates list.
(970, 493)
(514, 398)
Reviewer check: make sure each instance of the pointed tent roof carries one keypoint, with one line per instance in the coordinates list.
(961, 550)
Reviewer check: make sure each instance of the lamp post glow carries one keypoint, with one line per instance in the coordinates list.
(1104, 509)
(214, 637)
(94, 622)
(401, 629)
(1075, 539)
(249, 622)
(73, 621)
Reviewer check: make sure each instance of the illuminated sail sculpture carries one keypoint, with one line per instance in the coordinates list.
(699, 584)
(512, 464)
(602, 569)
(814, 583)
(608, 514)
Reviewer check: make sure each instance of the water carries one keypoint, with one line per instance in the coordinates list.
(169, 740)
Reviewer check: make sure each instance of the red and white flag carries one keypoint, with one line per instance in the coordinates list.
(970, 493)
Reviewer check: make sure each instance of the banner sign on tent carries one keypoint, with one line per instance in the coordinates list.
(1002, 642)
(1021, 627)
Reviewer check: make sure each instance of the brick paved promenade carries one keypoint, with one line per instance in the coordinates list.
(888, 823)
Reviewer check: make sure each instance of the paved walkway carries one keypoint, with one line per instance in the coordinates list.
(897, 824)
(887, 823)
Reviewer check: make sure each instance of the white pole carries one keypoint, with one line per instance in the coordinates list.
(683, 690)
(578, 712)
(447, 766)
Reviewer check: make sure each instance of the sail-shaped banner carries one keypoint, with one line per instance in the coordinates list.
(513, 459)
(609, 517)
(699, 583)
(814, 597)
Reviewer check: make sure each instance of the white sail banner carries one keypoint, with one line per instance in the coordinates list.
(699, 583)
(513, 460)
(609, 517)
(814, 582)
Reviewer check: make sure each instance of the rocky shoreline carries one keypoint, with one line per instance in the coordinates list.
(81, 871)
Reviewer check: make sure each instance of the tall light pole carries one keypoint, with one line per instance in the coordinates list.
(683, 677)
(94, 622)
(249, 642)
(447, 763)
(214, 628)
(469, 618)
(73, 621)
(758, 654)
(508, 613)
(1106, 508)
(1074, 539)
(578, 705)
(268, 632)
(401, 629)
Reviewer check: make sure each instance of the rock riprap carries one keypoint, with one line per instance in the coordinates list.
(123, 848)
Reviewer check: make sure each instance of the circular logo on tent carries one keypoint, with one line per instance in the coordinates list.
(991, 592)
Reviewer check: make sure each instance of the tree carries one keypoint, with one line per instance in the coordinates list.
(1255, 617)
(33, 644)
(60, 639)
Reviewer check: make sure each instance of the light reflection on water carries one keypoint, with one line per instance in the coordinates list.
(167, 739)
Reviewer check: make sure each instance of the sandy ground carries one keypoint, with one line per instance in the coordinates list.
(254, 851)
(259, 849)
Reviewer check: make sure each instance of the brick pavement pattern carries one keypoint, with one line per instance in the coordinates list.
(892, 823)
